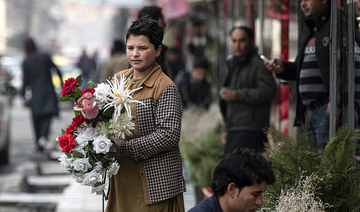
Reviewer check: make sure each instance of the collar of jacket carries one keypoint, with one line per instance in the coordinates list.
(150, 78)
(317, 22)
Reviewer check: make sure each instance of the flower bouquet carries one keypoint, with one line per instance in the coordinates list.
(102, 114)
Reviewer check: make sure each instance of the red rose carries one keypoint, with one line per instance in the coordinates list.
(71, 129)
(66, 142)
(88, 90)
(78, 120)
(69, 86)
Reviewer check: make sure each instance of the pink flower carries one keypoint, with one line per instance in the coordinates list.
(86, 104)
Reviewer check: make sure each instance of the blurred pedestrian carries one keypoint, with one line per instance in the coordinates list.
(155, 13)
(238, 183)
(85, 64)
(175, 61)
(117, 62)
(246, 94)
(37, 69)
(151, 177)
(193, 87)
(311, 70)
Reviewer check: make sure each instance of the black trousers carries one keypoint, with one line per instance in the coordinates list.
(41, 126)
(245, 139)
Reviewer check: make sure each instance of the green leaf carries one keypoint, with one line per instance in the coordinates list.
(65, 98)
(91, 84)
(79, 80)
(78, 154)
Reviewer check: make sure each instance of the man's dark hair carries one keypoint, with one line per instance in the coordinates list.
(153, 12)
(244, 167)
(247, 30)
(148, 27)
(201, 62)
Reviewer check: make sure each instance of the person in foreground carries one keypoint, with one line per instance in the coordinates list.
(150, 177)
(238, 183)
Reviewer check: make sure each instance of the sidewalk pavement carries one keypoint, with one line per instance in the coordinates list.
(79, 198)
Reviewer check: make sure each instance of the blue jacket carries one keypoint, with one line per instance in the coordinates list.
(207, 205)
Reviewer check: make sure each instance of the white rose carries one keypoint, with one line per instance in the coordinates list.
(65, 161)
(90, 179)
(99, 190)
(113, 169)
(102, 144)
(79, 177)
(81, 164)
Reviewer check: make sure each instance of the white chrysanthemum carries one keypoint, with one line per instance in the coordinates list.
(91, 178)
(102, 144)
(121, 127)
(114, 168)
(81, 164)
(101, 128)
(118, 97)
(99, 190)
(65, 161)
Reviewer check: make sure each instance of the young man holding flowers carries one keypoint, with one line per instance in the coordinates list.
(151, 176)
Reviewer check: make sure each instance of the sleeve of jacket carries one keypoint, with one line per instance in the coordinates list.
(289, 72)
(166, 135)
(263, 91)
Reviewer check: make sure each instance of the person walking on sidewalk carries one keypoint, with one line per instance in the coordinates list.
(151, 176)
(43, 102)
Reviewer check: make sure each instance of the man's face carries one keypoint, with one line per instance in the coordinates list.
(240, 42)
(198, 74)
(162, 23)
(313, 8)
(249, 198)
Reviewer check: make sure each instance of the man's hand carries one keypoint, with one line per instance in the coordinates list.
(275, 66)
(223, 137)
(117, 153)
(227, 95)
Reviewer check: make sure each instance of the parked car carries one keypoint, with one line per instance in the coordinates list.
(4, 122)
(12, 64)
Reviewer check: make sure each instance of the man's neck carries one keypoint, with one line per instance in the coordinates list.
(224, 203)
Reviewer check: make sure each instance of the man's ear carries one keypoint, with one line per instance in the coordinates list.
(158, 51)
(232, 189)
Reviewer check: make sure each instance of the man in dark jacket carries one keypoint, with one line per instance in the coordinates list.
(311, 71)
(37, 69)
(247, 90)
(238, 183)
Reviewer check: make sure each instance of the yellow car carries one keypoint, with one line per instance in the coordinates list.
(68, 69)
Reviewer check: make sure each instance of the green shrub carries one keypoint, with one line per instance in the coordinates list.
(202, 156)
(336, 166)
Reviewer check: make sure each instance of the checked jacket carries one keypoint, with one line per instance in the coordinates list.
(156, 137)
